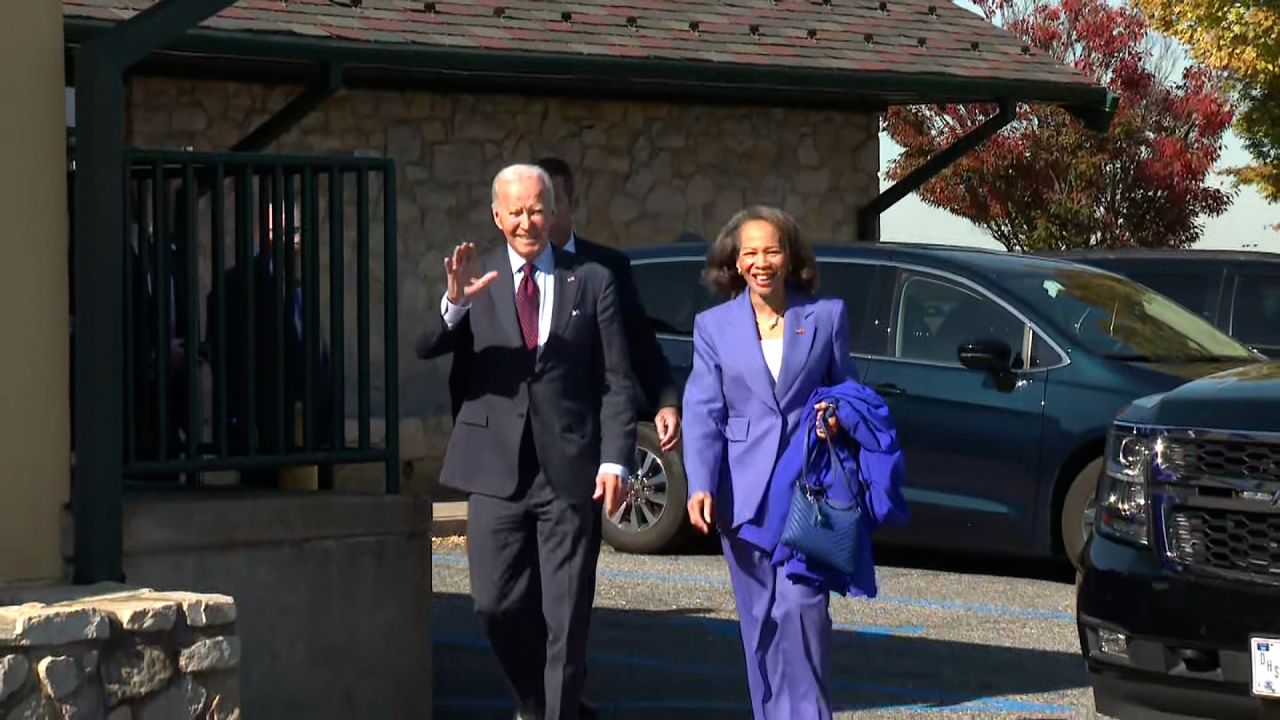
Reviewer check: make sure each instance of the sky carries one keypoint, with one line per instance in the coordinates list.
(1245, 224)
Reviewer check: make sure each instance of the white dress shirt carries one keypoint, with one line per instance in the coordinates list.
(544, 268)
(544, 275)
(772, 349)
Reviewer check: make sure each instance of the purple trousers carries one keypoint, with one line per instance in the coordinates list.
(786, 633)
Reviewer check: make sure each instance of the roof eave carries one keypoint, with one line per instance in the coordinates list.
(647, 77)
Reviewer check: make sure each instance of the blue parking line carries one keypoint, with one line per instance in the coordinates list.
(499, 703)
(919, 603)
(921, 700)
(729, 628)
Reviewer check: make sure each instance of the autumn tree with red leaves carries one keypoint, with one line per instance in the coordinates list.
(1047, 183)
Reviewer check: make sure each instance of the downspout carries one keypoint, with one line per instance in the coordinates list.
(98, 275)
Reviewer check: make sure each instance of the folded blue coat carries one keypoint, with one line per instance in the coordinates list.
(867, 448)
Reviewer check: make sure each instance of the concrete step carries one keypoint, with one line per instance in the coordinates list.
(449, 518)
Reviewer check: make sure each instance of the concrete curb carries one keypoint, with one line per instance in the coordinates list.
(449, 518)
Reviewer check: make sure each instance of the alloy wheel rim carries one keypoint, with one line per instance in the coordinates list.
(644, 499)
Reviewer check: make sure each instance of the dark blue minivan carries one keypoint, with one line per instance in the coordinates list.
(1003, 373)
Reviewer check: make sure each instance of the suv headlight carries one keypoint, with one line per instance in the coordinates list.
(1122, 490)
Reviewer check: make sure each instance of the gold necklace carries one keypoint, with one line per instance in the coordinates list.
(772, 323)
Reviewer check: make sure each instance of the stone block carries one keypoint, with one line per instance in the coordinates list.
(204, 609)
(457, 162)
(219, 653)
(144, 614)
(700, 191)
(599, 160)
(35, 624)
(90, 662)
(623, 210)
(404, 143)
(86, 704)
(665, 201)
(13, 673)
(670, 135)
(182, 700)
(467, 127)
(224, 695)
(807, 153)
(59, 676)
(813, 182)
(121, 713)
(35, 707)
(134, 670)
(640, 181)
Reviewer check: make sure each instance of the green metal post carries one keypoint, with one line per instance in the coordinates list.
(391, 348)
(101, 179)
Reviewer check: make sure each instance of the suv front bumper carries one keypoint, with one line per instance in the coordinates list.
(1186, 638)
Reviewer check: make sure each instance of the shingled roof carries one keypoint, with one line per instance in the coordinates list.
(875, 51)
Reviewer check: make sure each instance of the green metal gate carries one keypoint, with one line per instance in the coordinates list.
(237, 327)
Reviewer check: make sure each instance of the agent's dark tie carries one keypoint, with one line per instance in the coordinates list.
(527, 307)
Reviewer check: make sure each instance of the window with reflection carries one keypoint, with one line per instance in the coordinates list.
(936, 316)
(1120, 319)
(672, 293)
(1255, 318)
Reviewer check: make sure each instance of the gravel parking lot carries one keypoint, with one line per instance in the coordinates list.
(947, 638)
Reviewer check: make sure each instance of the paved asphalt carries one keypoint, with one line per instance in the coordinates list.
(949, 638)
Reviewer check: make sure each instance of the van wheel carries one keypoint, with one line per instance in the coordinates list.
(1076, 522)
(652, 517)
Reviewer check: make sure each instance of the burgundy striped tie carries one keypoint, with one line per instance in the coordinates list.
(527, 307)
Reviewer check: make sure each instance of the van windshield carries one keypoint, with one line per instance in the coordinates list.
(1120, 319)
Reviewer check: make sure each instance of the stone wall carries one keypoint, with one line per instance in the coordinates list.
(647, 171)
(82, 653)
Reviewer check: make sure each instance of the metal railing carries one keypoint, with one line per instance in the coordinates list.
(237, 325)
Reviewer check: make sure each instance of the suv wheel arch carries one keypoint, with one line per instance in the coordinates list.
(1076, 463)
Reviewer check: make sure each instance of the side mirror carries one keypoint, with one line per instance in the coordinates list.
(993, 356)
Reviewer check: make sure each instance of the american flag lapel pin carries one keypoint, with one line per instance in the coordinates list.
(573, 278)
(799, 331)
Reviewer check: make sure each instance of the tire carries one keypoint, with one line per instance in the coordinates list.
(652, 518)
(1076, 521)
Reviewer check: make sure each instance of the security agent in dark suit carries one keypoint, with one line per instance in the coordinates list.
(547, 406)
(648, 363)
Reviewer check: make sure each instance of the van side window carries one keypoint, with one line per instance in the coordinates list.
(853, 283)
(1255, 314)
(935, 317)
(672, 293)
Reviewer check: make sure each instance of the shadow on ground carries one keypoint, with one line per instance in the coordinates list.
(683, 664)
(1052, 569)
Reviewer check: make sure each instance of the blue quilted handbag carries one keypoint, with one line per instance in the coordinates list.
(821, 530)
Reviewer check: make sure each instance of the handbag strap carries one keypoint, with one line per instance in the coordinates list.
(836, 466)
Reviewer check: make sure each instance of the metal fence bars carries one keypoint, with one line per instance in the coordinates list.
(238, 317)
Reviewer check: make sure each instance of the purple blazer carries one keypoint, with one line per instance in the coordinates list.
(737, 420)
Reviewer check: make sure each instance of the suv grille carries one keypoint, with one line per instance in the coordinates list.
(1235, 459)
(1239, 543)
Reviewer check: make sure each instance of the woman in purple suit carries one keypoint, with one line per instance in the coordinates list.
(757, 359)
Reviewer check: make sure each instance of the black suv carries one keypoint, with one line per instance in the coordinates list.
(1238, 291)
(1179, 601)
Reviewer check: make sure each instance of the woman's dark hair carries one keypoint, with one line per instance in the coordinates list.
(721, 273)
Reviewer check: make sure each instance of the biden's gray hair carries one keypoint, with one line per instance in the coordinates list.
(523, 170)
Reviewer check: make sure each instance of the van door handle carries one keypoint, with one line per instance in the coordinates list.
(888, 389)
